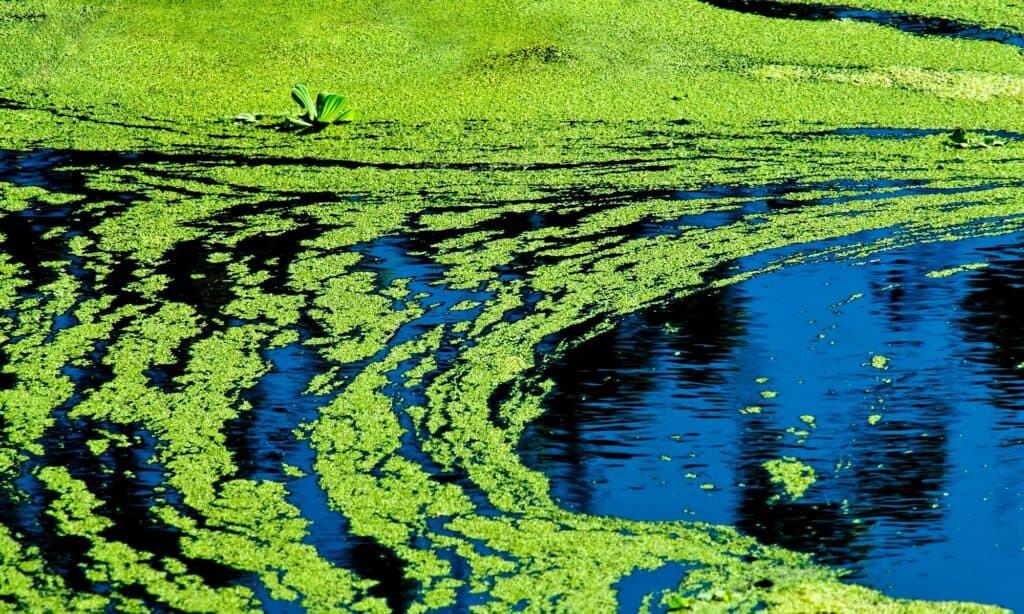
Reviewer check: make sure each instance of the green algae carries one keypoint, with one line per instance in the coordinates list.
(413, 68)
(880, 362)
(794, 476)
(765, 585)
(26, 585)
(223, 188)
(971, 266)
(386, 496)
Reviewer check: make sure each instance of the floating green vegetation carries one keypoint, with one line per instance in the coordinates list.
(880, 362)
(417, 276)
(794, 476)
(971, 266)
(763, 586)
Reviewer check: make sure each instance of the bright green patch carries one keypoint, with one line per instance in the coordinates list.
(792, 475)
(971, 266)
(880, 362)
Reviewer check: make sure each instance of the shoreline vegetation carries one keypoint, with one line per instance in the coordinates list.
(422, 265)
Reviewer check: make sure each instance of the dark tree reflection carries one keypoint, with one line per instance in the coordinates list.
(600, 404)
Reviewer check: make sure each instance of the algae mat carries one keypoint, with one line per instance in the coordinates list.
(245, 369)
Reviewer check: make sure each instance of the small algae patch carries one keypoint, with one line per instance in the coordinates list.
(792, 475)
(880, 362)
(971, 266)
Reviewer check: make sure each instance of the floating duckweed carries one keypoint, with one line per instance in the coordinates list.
(292, 471)
(794, 476)
(180, 268)
(879, 362)
(973, 266)
(98, 446)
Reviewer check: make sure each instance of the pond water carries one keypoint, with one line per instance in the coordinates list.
(451, 405)
(597, 307)
(899, 378)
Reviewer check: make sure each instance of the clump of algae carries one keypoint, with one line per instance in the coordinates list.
(792, 475)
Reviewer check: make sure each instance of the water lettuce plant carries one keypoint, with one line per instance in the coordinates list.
(329, 108)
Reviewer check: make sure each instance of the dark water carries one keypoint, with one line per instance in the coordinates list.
(926, 503)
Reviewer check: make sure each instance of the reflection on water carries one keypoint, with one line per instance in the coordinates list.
(918, 452)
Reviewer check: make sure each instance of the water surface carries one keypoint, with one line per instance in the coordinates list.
(671, 415)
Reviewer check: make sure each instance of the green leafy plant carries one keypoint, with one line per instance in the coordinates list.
(965, 140)
(329, 108)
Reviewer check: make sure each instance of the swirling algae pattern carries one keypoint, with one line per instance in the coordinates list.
(156, 274)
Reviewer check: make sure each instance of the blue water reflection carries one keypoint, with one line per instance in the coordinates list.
(898, 380)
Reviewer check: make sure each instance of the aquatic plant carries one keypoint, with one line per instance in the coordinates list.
(329, 108)
(965, 140)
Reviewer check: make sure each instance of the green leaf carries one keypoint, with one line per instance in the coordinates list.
(298, 121)
(330, 107)
(302, 96)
